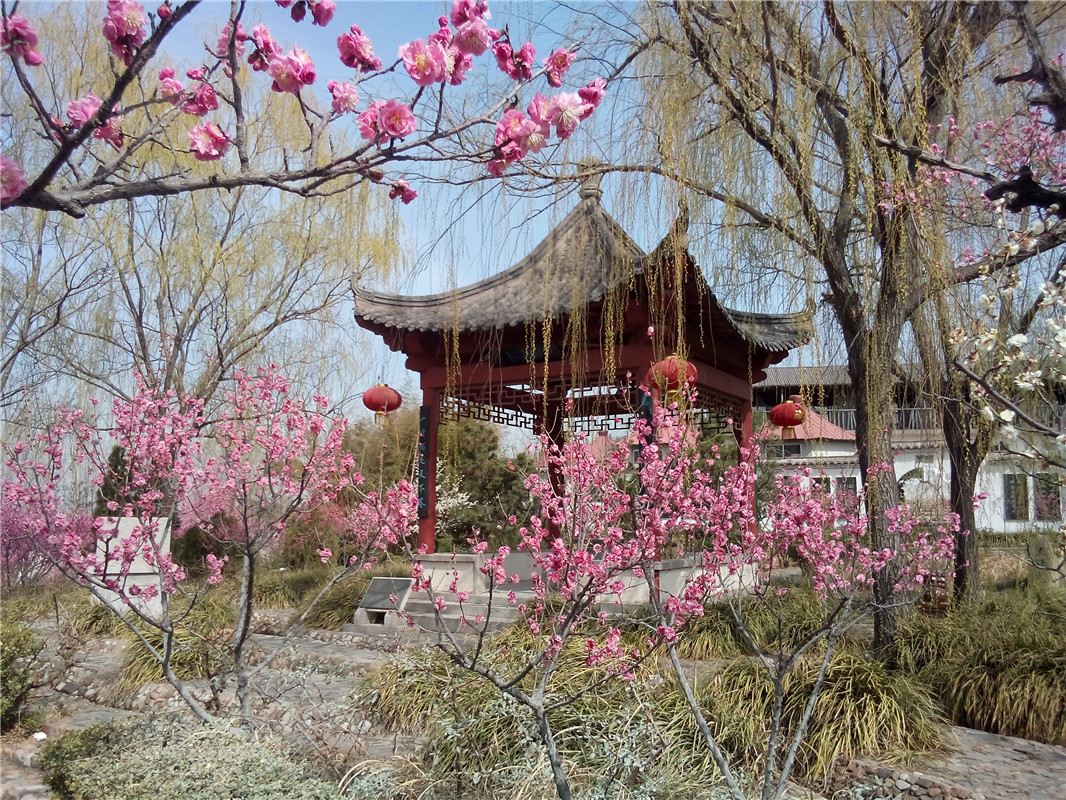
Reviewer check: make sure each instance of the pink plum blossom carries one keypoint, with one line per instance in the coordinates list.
(515, 65)
(164, 11)
(443, 34)
(19, 39)
(466, 10)
(345, 98)
(369, 124)
(423, 62)
(475, 37)
(356, 51)
(292, 71)
(170, 88)
(214, 568)
(567, 111)
(200, 101)
(558, 63)
(222, 48)
(402, 189)
(325, 554)
(456, 65)
(208, 142)
(81, 111)
(124, 28)
(539, 110)
(592, 95)
(265, 49)
(516, 128)
(322, 12)
(396, 120)
(12, 180)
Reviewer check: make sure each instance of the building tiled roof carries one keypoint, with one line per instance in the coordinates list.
(826, 375)
(584, 258)
(813, 427)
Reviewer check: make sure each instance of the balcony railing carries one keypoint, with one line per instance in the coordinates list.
(907, 419)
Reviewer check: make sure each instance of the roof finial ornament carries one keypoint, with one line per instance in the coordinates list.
(590, 176)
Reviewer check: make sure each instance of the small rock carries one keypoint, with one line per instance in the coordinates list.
(902, 785)
(935, 791)
(924, 782)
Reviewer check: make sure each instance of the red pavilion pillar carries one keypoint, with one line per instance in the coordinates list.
(428, 426)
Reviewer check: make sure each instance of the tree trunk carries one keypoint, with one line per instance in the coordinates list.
(873, 426)
(966, 450)
(562, 785)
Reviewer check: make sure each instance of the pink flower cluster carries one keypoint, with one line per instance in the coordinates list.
(403, 191)
(322, 11)
(345, 98)
(19, 39)
(124, 28)
(80, 112)
(386, 119)
(12, 180)
(292, 71)
(208, 142)
(517, 65)
(357, 52)
(517, 135)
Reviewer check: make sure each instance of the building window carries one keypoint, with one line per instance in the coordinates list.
(821, 483)
(782, 449)
(847, 485)
(1046, 500)
(1016, 497)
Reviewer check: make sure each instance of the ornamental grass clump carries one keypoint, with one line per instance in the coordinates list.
(198, 648)
(641, 733)
(775, 623)
(999, 665)
(288, 588)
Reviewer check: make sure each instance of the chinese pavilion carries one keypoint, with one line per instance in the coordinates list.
(563, 339)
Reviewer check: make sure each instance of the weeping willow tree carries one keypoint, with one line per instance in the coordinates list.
(801, 124)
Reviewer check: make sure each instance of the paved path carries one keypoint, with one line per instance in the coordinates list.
(1002, 767)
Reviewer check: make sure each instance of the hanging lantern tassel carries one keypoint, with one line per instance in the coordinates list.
(382, 399)
(788, 415)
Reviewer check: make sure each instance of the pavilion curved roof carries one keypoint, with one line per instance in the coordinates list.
(584, 258)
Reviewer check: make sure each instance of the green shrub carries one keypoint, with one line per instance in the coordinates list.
(19, 648)
(335, 609)
(150, 759)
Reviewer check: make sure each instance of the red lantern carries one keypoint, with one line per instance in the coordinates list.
(382, 399)
(788, 415)
(666, 375)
